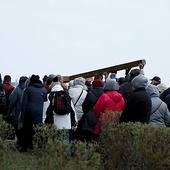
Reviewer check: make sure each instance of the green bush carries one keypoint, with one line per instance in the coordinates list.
(52, 150)
(135, 146)
(5, 131)
(121, 146)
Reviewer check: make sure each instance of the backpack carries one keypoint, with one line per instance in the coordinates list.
(3, 98)
(60, 103)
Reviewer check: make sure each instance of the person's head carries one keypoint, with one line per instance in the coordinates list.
(22, 79)
(34, 79)
(156, 80)
(121, 80)
(7, 79)
(139, 81)
(112, 76)
(97, 83)
(133, 73)
(88, 81)
(60, 78)
(45, 79)
(49, 80)
(79, 81)
(98, 76)
(111, 85)
(161, 88)
(55, 79)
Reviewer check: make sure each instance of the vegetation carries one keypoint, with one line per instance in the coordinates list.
(121, 147)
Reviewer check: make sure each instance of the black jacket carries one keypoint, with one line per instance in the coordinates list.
(138, 107)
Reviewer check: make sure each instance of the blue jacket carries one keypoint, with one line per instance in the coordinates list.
(32, 103)
(15, 102)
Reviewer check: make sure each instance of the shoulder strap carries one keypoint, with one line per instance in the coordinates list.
(78, 98)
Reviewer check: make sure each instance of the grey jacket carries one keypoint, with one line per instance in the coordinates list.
(160, 115)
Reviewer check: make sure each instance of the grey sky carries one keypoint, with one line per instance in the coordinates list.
(73, 36)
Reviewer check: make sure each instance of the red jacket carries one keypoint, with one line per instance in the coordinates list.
(110, 100)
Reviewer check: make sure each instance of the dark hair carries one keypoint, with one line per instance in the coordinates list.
(55, 79)
(45, 78)
(7, 79)
(34, 79)
(22, 79)
(121, 80)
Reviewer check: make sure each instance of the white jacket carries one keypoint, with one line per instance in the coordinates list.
(74, 93)
(62, 121)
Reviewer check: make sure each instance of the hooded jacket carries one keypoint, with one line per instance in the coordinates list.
(138, 107)
(61, 121)
(88, 104)
(15, 102)
(32, 103)
(160, 115)
(74, 93)
(110, 100)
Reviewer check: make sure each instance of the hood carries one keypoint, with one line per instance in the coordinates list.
(57, 87)
(114, 95)
(140, 81)
(111, 85)
(22, 86)
(152, 90)
(53, 84)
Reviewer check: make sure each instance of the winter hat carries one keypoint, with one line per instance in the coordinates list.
(161, 87)
(97, 83)
(22, 79)
(79, 81)
(111, 85)
(140, 81)
(34, 79)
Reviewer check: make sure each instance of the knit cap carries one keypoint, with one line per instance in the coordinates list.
(111, 85)
(140, 81)
(97, 83)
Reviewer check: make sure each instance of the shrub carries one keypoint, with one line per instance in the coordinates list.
(5, 131)
(52, 150)
(135, 146)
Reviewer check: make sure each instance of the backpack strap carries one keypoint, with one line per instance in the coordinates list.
(78, 98)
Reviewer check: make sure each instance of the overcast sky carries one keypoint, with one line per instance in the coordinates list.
(73, 36)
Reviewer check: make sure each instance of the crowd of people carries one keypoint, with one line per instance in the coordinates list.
(135, 97)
